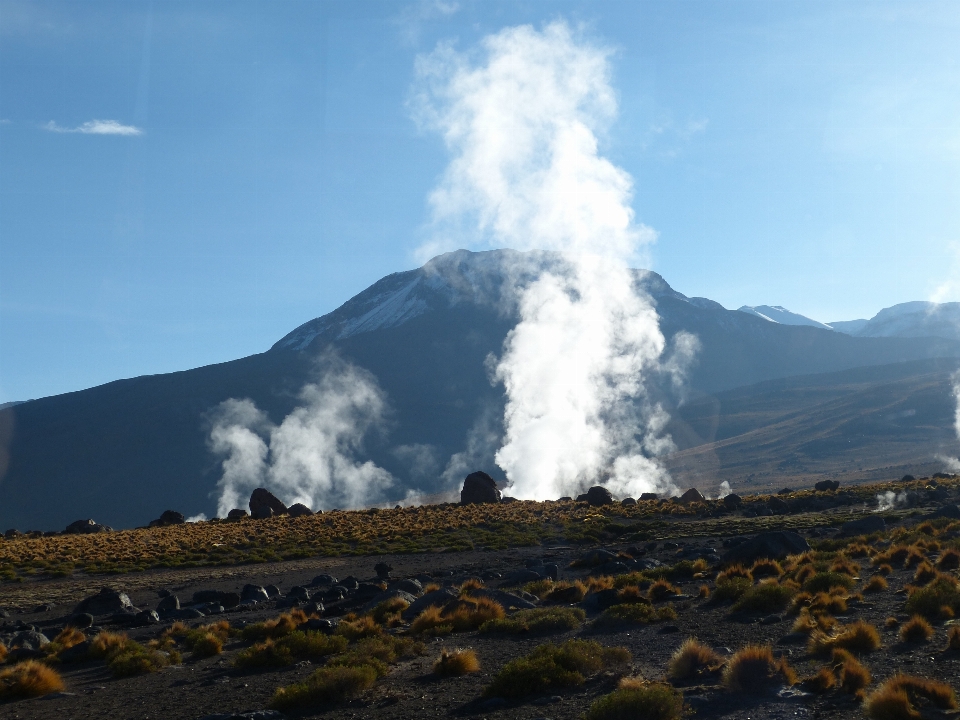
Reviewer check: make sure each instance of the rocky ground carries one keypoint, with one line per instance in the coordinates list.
(200, 687)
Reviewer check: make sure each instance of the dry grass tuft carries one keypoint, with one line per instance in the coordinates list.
(916, 630)
(754, 669)
(925, 573)
(326, 686)
(734, 571)
(636, 699)
(3, 653)
(876, 584)
(276, 627)
(858, 637)
(949, 560)
(28, 679)
(899, 697)
(953, 638)
(704, 592)
(537, 621)
(359, 628)
(766, 568)
(854, 677)
(662, 590)
(388, 612)
(691, 659)
(891, 623)
(456, 662)
(823, 681)
(461, 615)
(807, 622)
(767, 597)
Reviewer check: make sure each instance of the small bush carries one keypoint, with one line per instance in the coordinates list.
(807, 622)
(891, 623)
(389, 611)
(554, 666)
(858, 637)
(107, 645)
(754, 669)
(825, 581)
(275, 628)
(734, 572)
(566, 592)
(28, 679)
(456, 662)
(876, 584)
(298, 645)
(3, 653)
(704, 592)
(823, 681)
(378, 652)
(540, 588)
(854, 677)
(662, 590)
(925, 573)
(359, 628)
(626, 614)
(928, 601)
(766, 568)
(953, 638)
(949, 560)
(208, 646)
(916, 630)
(767, 597)
(692, 659)
(461, 615)
(898, 698)
(326, 686)
(730, 589)
(537, 621)
(638, 700)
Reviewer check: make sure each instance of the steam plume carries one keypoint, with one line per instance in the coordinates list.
(310, 456)
(520, 119)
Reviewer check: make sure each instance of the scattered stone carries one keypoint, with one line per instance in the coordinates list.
(649, 496)
(593, 558)
(254, 592)
(412, 587)
(690, 496)
(366, 591)
(863, 526)
(732, 500)
(252, 715)
(520, 577)
(324, 580)
(508, 600)
(237, 514)
(321, 625)
(479, 488)
(298, 592)
(628, 501)
(784, 491)
(437, 598)
(383, 570)
(774, 545)
(597, 496)
(349, 582)
(946, 511)
(907, 478)
(794, 638)
(389, 595)
(105, 602)
(771, 620)
(299, 510)
(80, 620)
(778, 506)
(264, 504)
(147, 617)
(169, 603)
(273, 591)
(826, 485)
(77, 653)
(168, 517)
(84, 527)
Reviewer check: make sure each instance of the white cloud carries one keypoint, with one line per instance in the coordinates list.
(96, 127)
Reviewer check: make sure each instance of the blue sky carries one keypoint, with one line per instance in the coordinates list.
(263, 167)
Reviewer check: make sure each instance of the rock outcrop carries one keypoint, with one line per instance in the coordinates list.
(264, 504)
(479, 488)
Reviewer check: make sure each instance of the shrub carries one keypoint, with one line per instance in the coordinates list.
(916, 630)
(138, 660)
(328, 685)
(359, 628)
(456, 662)
(378, 652)
(767, 597)
(638, 700)
(634, 614)
(884, 569)
(208, 646)
(631, 594)
(854, 677)
(554, 666)
(28, 679)
(807, 622)
(692, 659)
(566, 592)
(662, 590)
(929, 600)
(537, 621)
(461, 615)
(107, 645)
(730, 589)
(858, 637)
(539, 587)
(298, 645)
(898, 698)
(388, 612)
(825, 581)
(766, 568)
(275, 628)
(754, 669)
(891, 622)
(876, 584)
(821, 682)
(949, 560)
(734, 572)
(470, 585)
(844, 566)
(953, 638)
(3, 653)
(704, 592)
(925, 573)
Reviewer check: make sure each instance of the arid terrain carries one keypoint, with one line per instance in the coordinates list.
(344, 614)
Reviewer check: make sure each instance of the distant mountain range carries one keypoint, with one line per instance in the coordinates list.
(909, 320)
(767, 400)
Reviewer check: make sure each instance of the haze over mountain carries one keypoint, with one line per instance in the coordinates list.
(125, 451)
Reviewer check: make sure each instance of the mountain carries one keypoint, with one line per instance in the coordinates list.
(123, 452)
(777, 314)
(850, 327)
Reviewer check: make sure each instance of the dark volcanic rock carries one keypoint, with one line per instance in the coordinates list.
(383, 570)
(778, 506)
(80, 620)
(237, 514)
(264, 504)
(437, 598)
(864, 526)
(648, 496)
(774, 545)
(171, 602)
(825, 485)
(597, 496)
(83, 527)
(298, 592)
(408, 586)
(168, 517)
(299, 510)
(691, 495)
(628, 501)
(104, 602)
(324, 580)
(733, 500)
(254, 592)
(220, 597)
(479, 488)
(947, 511)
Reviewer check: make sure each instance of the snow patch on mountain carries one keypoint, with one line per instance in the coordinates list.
(782, 316)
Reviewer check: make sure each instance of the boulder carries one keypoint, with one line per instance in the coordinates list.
(628, 501)
(169, 603)
(366, 590)
(80, 621)
(946, 511)
(597, 496)
(168, 517)
(437, 598)
(774, 545)
(778, 506)
(389, 595)
(825, 485)
(105, 602)
(733, 500)
(520, 577)
(237, 514)
(479, 488)
(220, 597)
(413, 587)
(508, 600)
(329, 580)
(299, 510)
(383, 570)
(690, 496)
(264, 504)
(649, 496)
(298, 592)
(593, 558)
(253, 592)
(863, 526)
(83, 527)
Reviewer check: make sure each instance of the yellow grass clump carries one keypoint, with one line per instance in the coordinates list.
(461, 615)
(858, 637)
(456, 662)
(898, 698)
(754, 669)
(916, 630)
(876, 584)
(28, 679)
(691, 659)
